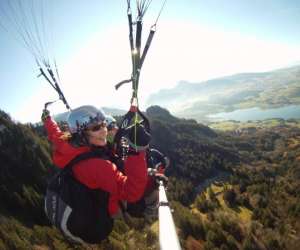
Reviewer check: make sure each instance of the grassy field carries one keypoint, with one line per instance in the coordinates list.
(264, 124)
(242, 213)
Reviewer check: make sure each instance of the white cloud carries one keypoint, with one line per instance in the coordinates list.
(191, 52)
(91, 74)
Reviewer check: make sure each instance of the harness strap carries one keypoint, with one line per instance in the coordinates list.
(95, 153)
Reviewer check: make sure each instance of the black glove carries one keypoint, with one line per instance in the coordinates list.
(156, 159)
(161, 177)
(157, 177)
(45, 115)
(138, 137)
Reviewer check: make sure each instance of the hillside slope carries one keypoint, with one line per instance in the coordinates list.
(255, 205)
(25, 154)
(266, 90)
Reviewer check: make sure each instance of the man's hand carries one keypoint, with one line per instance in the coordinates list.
(157, 177)
(161, 177)
(157, 160)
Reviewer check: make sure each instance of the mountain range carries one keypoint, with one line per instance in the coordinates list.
(265, 90)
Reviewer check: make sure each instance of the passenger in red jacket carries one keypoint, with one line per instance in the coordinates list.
(88, 132)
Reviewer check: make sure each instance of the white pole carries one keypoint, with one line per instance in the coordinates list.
(167, 232)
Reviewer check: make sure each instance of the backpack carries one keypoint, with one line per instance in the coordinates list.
(79, 212)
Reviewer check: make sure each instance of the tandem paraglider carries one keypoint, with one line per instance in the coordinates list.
(107, 170)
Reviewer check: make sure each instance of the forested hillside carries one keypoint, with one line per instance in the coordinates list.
(253, 204)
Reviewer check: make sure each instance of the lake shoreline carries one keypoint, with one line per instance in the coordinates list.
(255, 113)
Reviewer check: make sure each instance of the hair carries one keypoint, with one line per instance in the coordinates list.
(63, 126)
(75, 139)
(79, 139)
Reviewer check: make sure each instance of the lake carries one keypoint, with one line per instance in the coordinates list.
(288, 112)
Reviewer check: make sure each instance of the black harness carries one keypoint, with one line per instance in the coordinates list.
(79, 212)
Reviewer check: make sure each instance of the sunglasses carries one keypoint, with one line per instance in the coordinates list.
(97, 127)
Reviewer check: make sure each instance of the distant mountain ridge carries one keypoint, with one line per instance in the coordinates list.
(246, 90)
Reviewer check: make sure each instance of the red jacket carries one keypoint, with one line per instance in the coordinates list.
(98, 173)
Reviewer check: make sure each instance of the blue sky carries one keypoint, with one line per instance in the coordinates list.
(195, 40)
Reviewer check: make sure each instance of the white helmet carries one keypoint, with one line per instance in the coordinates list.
(80, 118)
(111, 122)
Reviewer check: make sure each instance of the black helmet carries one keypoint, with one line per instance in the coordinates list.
(84, 116)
